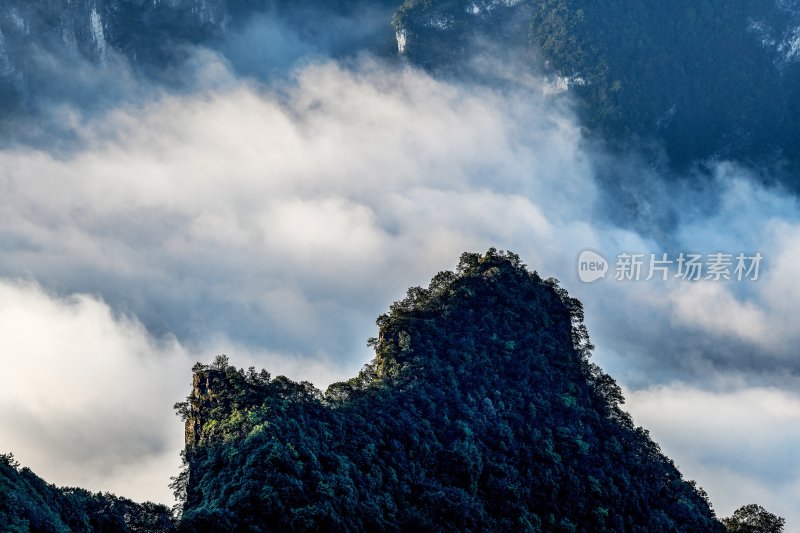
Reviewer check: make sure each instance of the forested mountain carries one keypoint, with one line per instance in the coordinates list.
(29, 504)
(480, 411)
(703, 79)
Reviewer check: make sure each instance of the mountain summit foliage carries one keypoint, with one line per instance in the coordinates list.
(480, 411)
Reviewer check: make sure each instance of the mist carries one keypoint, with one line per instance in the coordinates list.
(273, 211)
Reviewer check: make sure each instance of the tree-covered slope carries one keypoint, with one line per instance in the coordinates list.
(709, 78)
(480, 411)
(29, 504)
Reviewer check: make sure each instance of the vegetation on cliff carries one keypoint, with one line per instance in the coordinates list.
(29, 504)
(481, 410)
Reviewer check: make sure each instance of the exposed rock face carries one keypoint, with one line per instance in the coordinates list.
(208, 386)
(440, 34)
(91, 26)
(55, 53)
(44, 41)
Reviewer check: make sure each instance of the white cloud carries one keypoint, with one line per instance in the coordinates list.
(84, 392)
(711, 307)
(86, 395)
(218, 203)
(739, 445)
(275, 223)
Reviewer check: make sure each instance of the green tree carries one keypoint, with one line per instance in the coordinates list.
(753, 518)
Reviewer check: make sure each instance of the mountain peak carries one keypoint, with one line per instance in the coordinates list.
(480, 410)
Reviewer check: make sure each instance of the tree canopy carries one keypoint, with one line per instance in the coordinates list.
(753, 518)
(481, 410)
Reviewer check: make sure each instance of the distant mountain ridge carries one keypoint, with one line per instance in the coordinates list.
(29, 504)
(703, 79)
(710, 79)
(47, 44)
(143, 31)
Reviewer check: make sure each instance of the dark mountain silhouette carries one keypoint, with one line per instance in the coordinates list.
(480, 411)
(27, 503)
